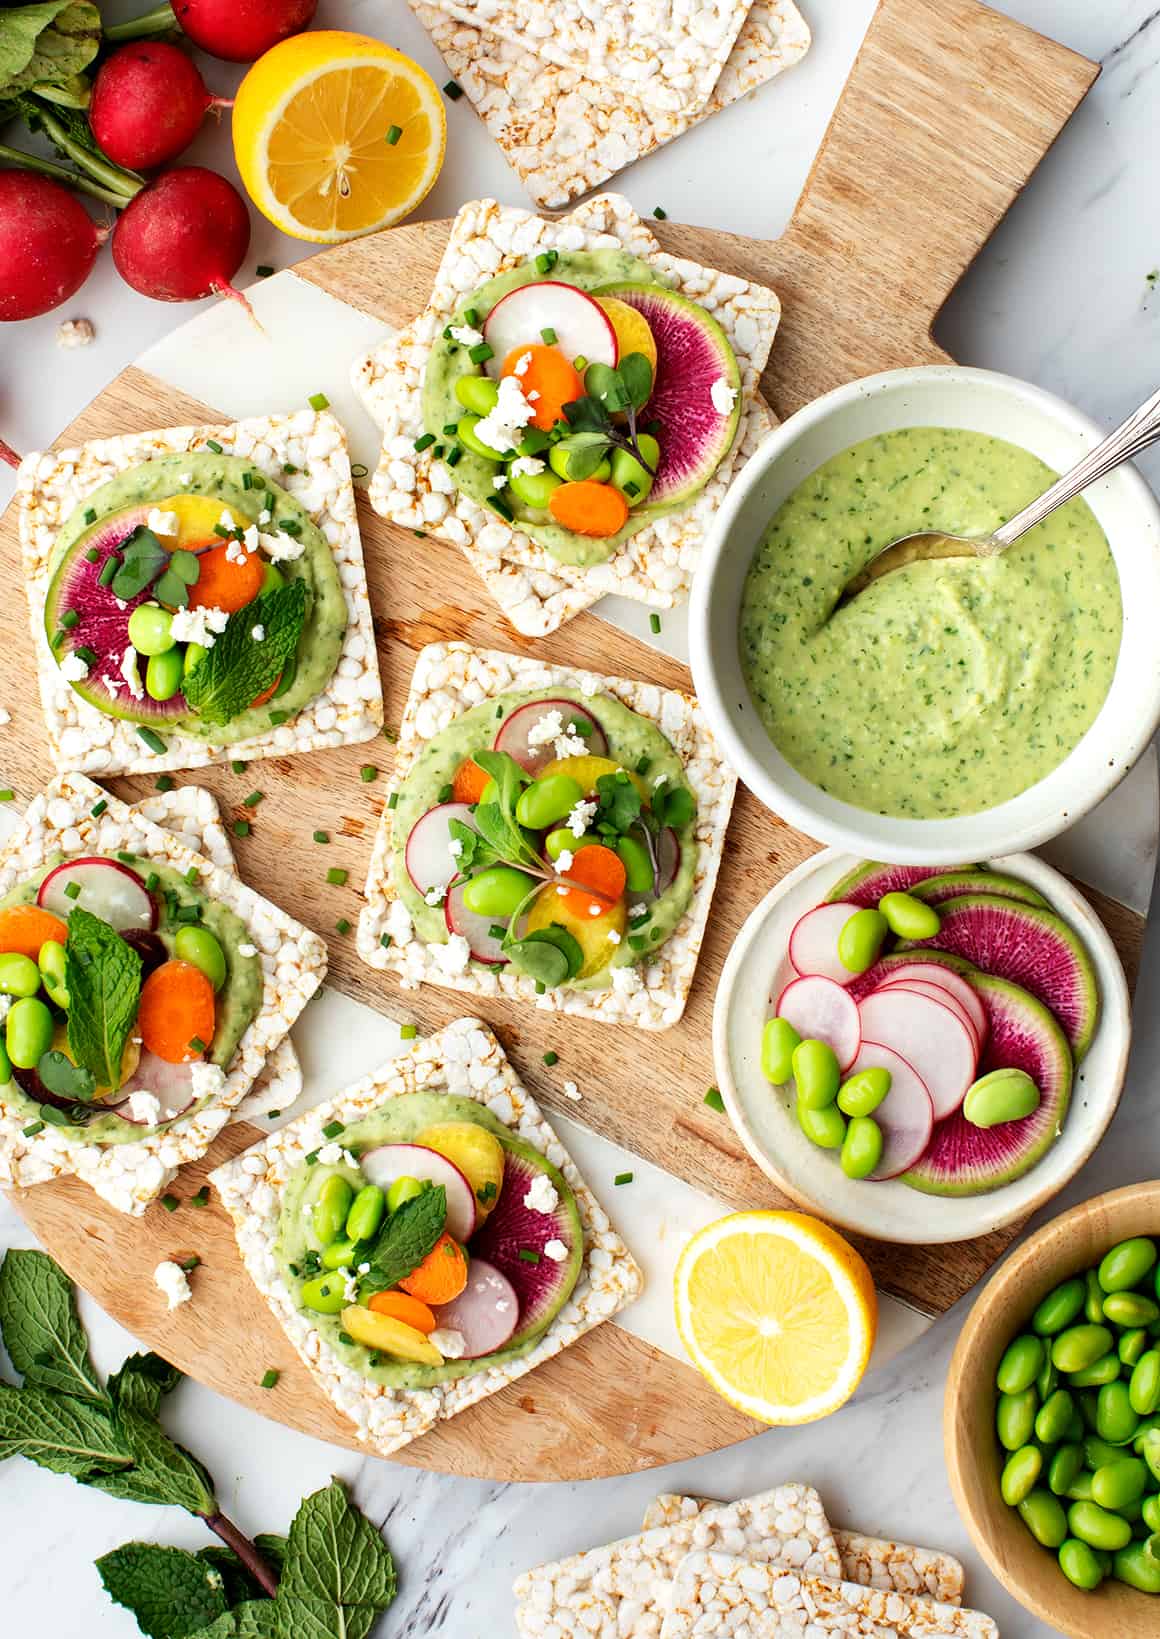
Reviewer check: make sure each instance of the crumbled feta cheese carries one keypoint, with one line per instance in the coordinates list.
(561, 890)
(250, 538)
(247, 950)
(501, 427)
(73, 668)
(5, 717)
(349, 1285)
(281, 546)
(434, 896)
(450, 1344)
(564, 859)
(571, 1091)
(144, 1106)
(595, 909)
(571, 745)
(723, 396)
(330, 1155)
(453, 956)
(527, 466)
(499, 481)
(612, 936)
(523, 363)
(556, 1250)
(578, 820)
(131, 674)
(226, 519)
(545, 729)
(199, 625)
(185, 478)
(364, 1268)
(265, 515)
(466, 335)
(637, 910)
(170, 1277)
(455, 848)
(540, 1195)
(258, 633)
(163, 523)
(5, 1007)
(75, 333)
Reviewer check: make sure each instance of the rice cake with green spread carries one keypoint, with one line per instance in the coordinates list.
(199, 593)
(597, 767)
(155, 939)
(589, 500)
(352, 1223)
(563, 132)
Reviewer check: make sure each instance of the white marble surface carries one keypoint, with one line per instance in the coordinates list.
(1060, 296)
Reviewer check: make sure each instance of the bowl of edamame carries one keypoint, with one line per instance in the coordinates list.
(1052, 1419)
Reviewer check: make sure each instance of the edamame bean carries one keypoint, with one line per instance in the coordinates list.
(1127, 1265)
(1093, 1305)
(1150, 1513)
(19, 975)
(1080, 1565)
(1000, 1096)
(534, 489)
(862, 1147)
(1021, 1364)
(545, 802)
(163, 674)
(199, 947)
(1105, 1370)
(864, 1092)
(1048, 1381)
(366, 1213)
(467, 436)
(1130, 1309)
(1080, 1347)
(1116, 1422)
(51, 963)
(1139, 1566)
(626, 469)
(498, 890)
(860, 939)
(638, 865)
(561, 461)
(1149, 1449)
(1065, 1468)
(908, 917)
(402, 1191)
(150, 629)
(1059, 1308)
(1054, 1418)
(479, 394)
(1080, 1489)
(1076, 1429)
(1089, 1401)
(562, 841)
(331, 1206)
(1120, 1483)
(340, 1255)
(816, 1075)
(5, 1066)
(1099, 1529)
(325, 1294)
(1015, 1418)
(1133, 1346)
(272, 578)
(1044, 1517)
(826, 1127)
(1097, 1452)
(779, 1042)
(1144, 1388)
(1020, 1473)
(28, 1032)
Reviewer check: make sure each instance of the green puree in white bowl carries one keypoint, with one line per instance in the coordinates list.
(949, 686)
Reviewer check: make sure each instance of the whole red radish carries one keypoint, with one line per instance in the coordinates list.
(182, 237)
(148, 104)
(48, 244)
(241, 30)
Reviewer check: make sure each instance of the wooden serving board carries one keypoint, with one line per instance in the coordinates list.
(948, 111)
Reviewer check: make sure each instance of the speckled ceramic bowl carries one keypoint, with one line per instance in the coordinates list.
(941, 396)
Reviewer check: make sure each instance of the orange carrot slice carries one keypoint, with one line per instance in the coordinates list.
(407, 1309)
(469, 782)
(549, 374)
(266, 694)
(589, 508)
(176, 1012)
(600, 869)
(442, 1275)
(24, 928)
(225, 583)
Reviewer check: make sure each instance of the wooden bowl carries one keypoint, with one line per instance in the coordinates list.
(1068, 1245)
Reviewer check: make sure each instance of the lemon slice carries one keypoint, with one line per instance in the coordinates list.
(337, 135)
(778, 1312)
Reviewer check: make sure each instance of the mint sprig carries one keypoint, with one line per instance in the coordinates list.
(171, 1593)
(238, 668)
(42, 1330)
(103, 977)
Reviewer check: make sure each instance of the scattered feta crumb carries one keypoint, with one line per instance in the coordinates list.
(571, 1091)
(349, 1285)
(434, 896)
(564, 859)
(131, 674)
(330, 1155)
(75, 333)
(5, 717)
(170, 1277)
(185, 478)
(247, 950)
(723, 396)
(499, 481)
(199, 625)
(450, 1344)
(455, 848)
(364, 1268)
(561, 889)
(571, 745)
(258, 633)
(264, 516)
(612, 936)
(523, 364)
(545, 729)
(502, 425)
(594, 909)
(73, 668)
(578, 820)
(637, 910)
(226, 519)
(556, 1250)
(144, 1106)
(527, 466)
(541, 1195)
(163, 523)
(281, 546)
(466, 335)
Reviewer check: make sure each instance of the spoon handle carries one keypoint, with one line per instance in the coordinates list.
(1141, 429)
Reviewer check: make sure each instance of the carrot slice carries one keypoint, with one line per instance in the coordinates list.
(469, 781)
(176, 1011)
(589, 508)
(407, 1309)
(225, 582)
(24, 928)
(266, 694)
(547, 373)
(442, 1275)
(600, 869)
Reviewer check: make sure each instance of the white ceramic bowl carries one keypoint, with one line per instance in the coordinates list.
(933, 396)
(757, 967)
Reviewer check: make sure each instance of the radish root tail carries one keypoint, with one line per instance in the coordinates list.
(233, 295)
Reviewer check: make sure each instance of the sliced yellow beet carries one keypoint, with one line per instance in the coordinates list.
(196, 516)
(477, 1153)
(587, 770)
(130, 1058)
(633, 334)
(594, 934)
(383, 1332)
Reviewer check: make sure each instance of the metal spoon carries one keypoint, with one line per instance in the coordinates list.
(1138, 432)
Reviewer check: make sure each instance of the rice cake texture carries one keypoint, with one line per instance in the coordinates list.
(744, 1598)
(565, 133)
(448, 679)
(51, 485)
(416, 490)
(871, 1561)
(624, 1588)
(130, 1175)
(466, 1060)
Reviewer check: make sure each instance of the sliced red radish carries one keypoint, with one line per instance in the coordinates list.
(943, 978)
(486, 946)
(906, 1114)
(927, 1035)
(820, 1010)
(517, 731)
(668, 859)
(813, 943)
(486, 1312)
(382, 1166)
(430, 862)
(583, 329)
(937, 994)
(105, 888)
(170, 1084)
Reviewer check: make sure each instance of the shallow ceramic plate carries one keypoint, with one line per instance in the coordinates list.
(757, 967)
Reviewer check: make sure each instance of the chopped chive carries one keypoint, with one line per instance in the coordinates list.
(93, 555)
(345, 1337)
(541, 988)
(623, 1178)
(336, 876)
(342, 925)
(420, 535)
(91, 518)
(83, 652)
(385, 940)
(528, 1256)
(318, 401)
(170, 1203)
(263, 270)
(151, 882)
(358, 470)
(189, 1264)
(154, 741)
(247, 480)
(253, 799)
(191, 876)
(126, 857)
(322, 836)
(393, 135)
(332, 1129)
(242, 828)
(546, 261)
(654, 621)
(269, 1379)
(425, 442)
(237, 766)
(450, 428)
(454, 456)
(445, 793)
(109, 570)
(188, 913)
(497, 930)
(164, 782)
(632, 490)
(393, 800)
(714, 1100)
(497, 505)
(637, 941)
(480, 353)
(277, 718)
(548, 336)
(290, 526)
(289, 468)
(660, 213)
(212, 444)
(201, 1198)
(367, 773)
(33, 1128)
(580, 363)
(470, 316)
(408, 1032)
(312, 1158)
(437, 452)
(8, 795)
(643, 764)
(222, 532)
(551, 1058)
(58, 637)
(446, 332)
(196, 1045)
(452, 91)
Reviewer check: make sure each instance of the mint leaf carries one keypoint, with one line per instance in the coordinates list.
(103, 978)
(64, 1078)
(163, 1474)
(619, 800)
(56, 1432)
(142, 1382)
(405, 1240)
(339, 1575)
(171, 1593)
(540, 960)
(237, 669)
(46, 44)
(41, 1328)
(253, 1619)
(673, 805)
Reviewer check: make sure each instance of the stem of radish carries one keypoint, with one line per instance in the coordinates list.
(74, 93)
(58, 173)
(158, 21)
(225, 1528)
(8, 454)
(102, 171)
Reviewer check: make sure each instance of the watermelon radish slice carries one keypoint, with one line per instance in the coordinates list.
(966, 1160)
(929, 1036)
(693, 355)
(1029, 946)
(937, 889)
(486, 1312)
(906, 1114)
(542, 1283)
(932, 976)
(583, 329)
(170, 1084)
(430, 862)
(820, 1010)
(388, 1162)
(514, 731)
(813, 943)
(867, 882)
(103, 887)
(938, 994)
(485, 945)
